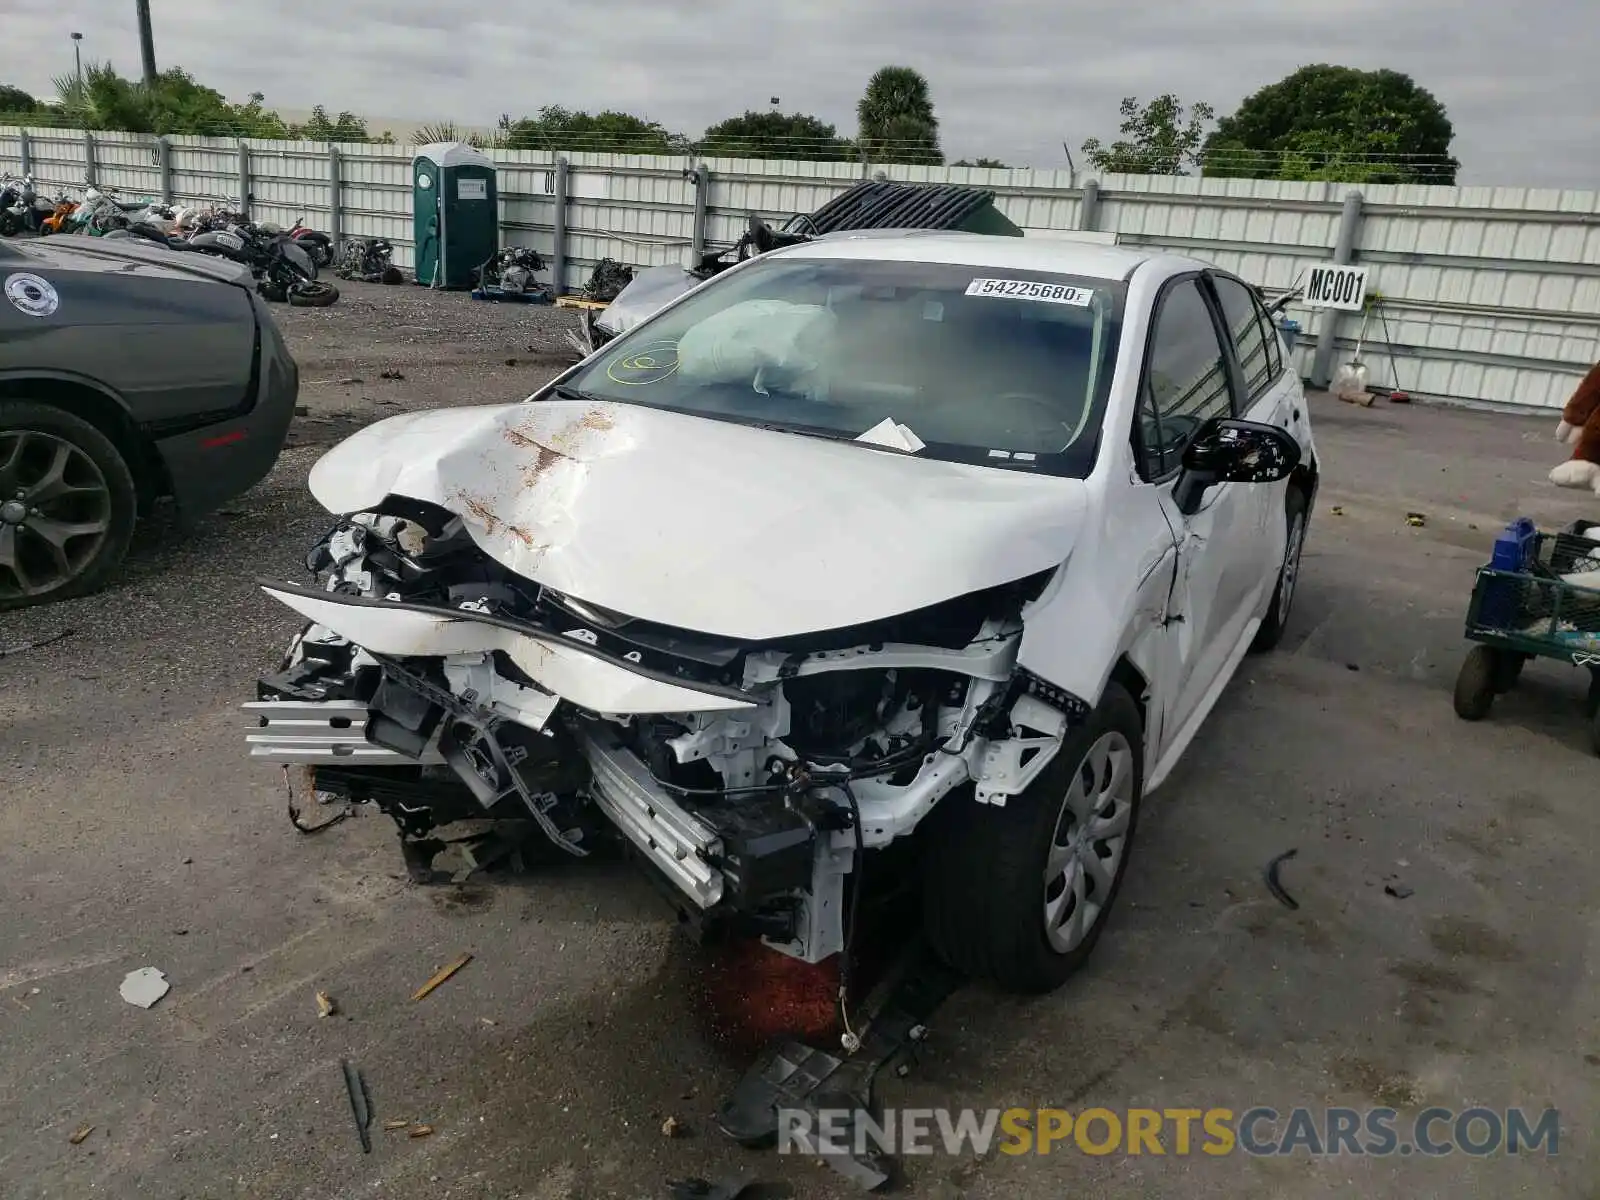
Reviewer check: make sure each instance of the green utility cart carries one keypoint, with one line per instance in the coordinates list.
(1538, 597)
(455, 213)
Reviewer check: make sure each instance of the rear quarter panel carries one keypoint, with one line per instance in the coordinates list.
(168, 344)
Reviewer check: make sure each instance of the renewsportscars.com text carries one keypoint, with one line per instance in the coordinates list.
(1259, 1131)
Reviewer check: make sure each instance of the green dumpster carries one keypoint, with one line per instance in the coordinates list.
(455, 213)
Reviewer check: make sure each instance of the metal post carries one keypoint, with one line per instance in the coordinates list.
(558, 254)
(702, 200)
(1344, 252)
(164, 162)
(89, 171)
(244, 177)
(335, 196)
(24, 152)
(866, 167)
(1089, 206)
(147, 43)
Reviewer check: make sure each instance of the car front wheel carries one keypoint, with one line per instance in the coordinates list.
(67, 505)
(1020, 895)
(1276, 620)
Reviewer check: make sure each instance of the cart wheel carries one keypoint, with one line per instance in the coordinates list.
(1475, 685)
(1592, 701)
(1508, 669)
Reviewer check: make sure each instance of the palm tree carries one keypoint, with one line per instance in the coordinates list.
(896, 118)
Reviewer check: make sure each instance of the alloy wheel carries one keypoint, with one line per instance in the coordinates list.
(55, 512)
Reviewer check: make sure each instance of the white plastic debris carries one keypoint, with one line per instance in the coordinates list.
(145, 986)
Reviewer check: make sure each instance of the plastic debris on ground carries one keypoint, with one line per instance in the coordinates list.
(144, 987)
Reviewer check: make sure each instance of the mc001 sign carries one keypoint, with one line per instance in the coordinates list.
(1332, 286)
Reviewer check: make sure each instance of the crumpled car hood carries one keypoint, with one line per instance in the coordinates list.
(706, 525)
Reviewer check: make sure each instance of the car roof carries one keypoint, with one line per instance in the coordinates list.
(1062, 256)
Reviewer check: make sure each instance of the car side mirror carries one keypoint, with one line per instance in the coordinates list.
(1228, 450)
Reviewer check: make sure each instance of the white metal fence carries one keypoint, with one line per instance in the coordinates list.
(1488, 294)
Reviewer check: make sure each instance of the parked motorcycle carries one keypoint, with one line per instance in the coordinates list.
(63, 212)
(368, 260)
(283, 269)
(511, 271)
(13, 204)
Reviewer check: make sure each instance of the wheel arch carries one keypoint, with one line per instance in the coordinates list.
(1306, 477)
(102, 408)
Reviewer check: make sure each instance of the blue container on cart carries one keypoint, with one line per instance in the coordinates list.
(1512, 549)
(1291, 331)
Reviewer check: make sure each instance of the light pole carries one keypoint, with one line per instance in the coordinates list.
(147, 43)
(77, 58)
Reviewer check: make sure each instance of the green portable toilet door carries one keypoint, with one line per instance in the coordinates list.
(470, 227)
(425, 224)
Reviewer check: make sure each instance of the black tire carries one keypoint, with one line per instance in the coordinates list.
(121, 500)
(983, 895)
(8, 224)
(1594, 734)
(1475, 685)
(1508, 669)
(313, 295)
(1296, 518)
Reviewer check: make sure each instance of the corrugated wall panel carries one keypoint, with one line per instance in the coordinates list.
(375, 197)
(1489, 293)
(60, 160)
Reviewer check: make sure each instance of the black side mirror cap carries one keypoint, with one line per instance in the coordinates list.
(1229, 450)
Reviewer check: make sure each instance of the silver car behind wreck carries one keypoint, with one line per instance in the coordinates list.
(851, 548)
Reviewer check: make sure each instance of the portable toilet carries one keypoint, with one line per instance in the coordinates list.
(455, 213)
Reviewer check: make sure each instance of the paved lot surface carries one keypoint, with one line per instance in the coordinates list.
(133, 832)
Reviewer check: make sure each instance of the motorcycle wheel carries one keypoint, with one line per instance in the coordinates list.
(313, 295)
(8, 224)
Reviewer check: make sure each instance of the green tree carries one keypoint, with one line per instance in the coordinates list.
(15, 100)
(896, 118)
(1161, 138)
(776, 135)
(320, 127)
(564, 131)
(448, 131)
(1337, 123)
(102, 99)
(980, 162)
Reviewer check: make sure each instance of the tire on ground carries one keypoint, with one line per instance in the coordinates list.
(983, 866)
(1270, 632)
(19, 415)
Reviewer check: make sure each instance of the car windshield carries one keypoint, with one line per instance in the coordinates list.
(1002, 367)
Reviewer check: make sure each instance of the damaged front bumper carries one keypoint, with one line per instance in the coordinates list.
(749, 779)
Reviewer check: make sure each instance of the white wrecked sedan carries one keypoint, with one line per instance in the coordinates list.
(929, 549)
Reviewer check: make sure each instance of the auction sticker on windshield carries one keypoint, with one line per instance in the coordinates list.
(1027, 289)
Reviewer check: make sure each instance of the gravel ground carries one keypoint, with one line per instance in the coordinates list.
(134, 832)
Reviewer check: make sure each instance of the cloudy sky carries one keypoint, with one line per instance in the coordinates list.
(1011, 79)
